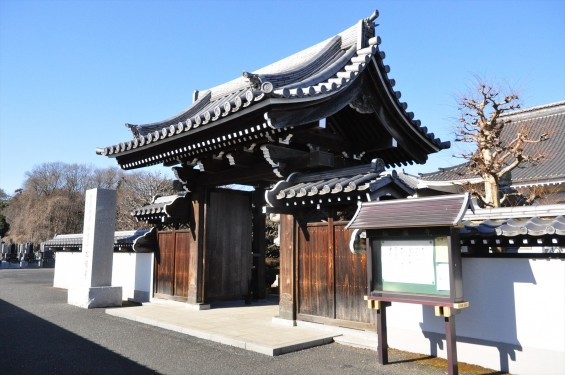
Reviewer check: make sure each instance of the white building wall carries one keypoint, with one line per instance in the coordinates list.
(132, 271)
(515, 321)
(67, 268)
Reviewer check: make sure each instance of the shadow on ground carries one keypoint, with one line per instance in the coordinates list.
(32, 345)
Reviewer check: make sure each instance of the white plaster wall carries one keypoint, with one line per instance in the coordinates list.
(515, 322)
(67, 269)
(132, 271)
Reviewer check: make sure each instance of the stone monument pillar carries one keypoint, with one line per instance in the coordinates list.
(93, 288)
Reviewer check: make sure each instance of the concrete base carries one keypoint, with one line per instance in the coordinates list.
(93, 297)
(283, 322)
(198, 306)
(140, 296)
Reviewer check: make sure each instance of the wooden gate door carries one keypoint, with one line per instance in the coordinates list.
(351, 279)
(316, 288)
(228, 244)
(172, 264)
(332, 281)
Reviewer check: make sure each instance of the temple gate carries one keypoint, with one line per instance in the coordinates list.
(316, 131)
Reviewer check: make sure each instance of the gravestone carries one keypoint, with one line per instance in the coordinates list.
(93, 288)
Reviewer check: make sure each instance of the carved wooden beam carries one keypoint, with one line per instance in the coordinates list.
(323, 138)
(313, 160)
(186, 173)
(274, 154)
(242, 159)
(253, 175)
(386, 142)
(213, 165)
(285, 159)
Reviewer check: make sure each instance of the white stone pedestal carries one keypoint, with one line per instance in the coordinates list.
(93, 286)
(97, 296)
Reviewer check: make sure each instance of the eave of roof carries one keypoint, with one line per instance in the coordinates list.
(532, 226)
(121, 238)
(335, 187)
(518, 212)
(165, 209)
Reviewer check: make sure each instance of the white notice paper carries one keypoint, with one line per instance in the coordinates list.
(442, 270)
(408, 262)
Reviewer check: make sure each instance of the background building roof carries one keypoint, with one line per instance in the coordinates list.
(548, 118)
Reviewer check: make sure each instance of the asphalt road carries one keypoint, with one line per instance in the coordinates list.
(41, 334)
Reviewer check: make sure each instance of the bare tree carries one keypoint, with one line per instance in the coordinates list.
(138, 189)
(52, 200)
(4, 226)
(107, 178)
(495, 156)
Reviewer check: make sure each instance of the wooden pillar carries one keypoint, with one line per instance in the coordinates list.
(258, 245)
(287, 278)
(331, 270)
(451, 343)
(382, 346)
(196, 257)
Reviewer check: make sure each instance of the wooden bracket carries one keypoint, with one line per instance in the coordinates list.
(375, 304)
(447, 311)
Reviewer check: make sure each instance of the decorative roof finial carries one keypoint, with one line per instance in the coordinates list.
(373, 16)
(134, 129)
(257, 83)
(254, 79)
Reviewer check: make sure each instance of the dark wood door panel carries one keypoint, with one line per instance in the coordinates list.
(164, 265)
(171, 277)
(351, 279)
(182, 258)
(315, 273)
(228, 244)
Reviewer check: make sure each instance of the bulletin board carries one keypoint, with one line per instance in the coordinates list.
(413, 265)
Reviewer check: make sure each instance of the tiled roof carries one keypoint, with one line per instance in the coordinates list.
(533, 226)
(162, 208)
(121, 239)
(322, 71)
(548, 118)
(517, 212)
(540, 226)
(446, 210)
(339, 186)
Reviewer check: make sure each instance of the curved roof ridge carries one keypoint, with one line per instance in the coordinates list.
(323, 52)
(327, 71)
(299, 62)
(287, 65)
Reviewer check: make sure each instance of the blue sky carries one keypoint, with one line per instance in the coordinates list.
(73, 72)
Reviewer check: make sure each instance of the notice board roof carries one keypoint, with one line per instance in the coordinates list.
(445, 210)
